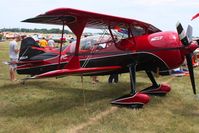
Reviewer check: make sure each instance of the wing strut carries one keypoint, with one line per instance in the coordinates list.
(130, 34)
(109, 28)
(60, 51)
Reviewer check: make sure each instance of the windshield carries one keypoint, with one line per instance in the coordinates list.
(92, 42)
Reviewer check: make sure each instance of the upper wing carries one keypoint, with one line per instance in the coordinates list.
(73, 17)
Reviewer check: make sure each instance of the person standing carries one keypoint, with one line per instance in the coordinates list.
(43, 43)
(51, 43)
(13, 54)
(94, 79)
(113, 77)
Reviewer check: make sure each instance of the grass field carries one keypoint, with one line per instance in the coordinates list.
(66, 105)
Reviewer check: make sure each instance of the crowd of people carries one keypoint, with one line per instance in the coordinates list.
(44, 43)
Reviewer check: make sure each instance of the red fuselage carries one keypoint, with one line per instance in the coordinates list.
(162, 50)
(157, 44)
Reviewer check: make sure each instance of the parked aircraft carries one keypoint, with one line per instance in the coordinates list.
(127, 46)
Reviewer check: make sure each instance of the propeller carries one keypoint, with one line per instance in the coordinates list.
(189, 33)
(186, 40)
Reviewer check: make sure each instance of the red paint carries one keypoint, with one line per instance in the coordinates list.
(62, 72)
(138, 98)
(152, 41)
(195, 16)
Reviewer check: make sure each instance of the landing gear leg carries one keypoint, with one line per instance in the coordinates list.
(134, 99)
(132, 73)
(156, 89)
(151, 77)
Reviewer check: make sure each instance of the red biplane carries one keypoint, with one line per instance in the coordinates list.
(126, 46)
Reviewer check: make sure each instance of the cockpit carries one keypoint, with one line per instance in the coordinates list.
(95, 42)
(92, 43)
(120, 39)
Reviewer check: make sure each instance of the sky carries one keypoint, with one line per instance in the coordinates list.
(163, 14)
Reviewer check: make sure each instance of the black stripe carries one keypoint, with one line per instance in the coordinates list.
(179, 28)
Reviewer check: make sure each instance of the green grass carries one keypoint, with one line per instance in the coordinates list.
(67, 105)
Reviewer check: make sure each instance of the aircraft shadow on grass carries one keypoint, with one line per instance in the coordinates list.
(60, 102)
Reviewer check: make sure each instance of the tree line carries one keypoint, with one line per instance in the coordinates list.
(53, 30)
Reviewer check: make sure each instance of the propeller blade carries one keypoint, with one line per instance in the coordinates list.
(191, 73)
(181, 34)
(189, 33)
